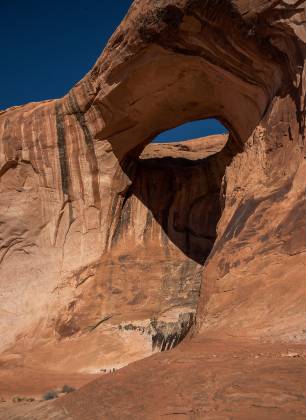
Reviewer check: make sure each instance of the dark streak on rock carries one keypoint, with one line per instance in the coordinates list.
(165, 335)
(164, 340)
(8, 165)
(149, 223)
(112, 217)
(92, 159)
(62, 150)
(124, 220)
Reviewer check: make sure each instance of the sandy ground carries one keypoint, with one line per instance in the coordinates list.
(207, 379)
(31, 383)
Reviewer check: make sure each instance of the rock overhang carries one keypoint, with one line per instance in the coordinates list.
(205, 59)
(173, 72)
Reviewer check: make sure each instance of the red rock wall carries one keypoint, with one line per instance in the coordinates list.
(78, 213)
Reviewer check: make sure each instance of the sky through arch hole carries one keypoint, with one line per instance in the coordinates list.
(192, 130)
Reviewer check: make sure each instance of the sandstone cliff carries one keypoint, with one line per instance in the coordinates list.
(103, 250)
(139, 295)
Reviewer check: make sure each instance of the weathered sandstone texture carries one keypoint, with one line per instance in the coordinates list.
(139, 294)
(106, 244)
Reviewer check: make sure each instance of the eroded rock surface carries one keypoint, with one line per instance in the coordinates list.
(108, 249)
(139, 295)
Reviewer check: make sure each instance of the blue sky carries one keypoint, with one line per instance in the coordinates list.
(192, 130)
(47, 46)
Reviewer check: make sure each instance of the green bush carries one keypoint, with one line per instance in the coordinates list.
(67, 389)
(50, 395)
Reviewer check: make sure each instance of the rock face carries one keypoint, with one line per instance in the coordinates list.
(103, 251)
(139, 294)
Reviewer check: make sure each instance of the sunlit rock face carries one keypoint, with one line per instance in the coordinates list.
(111, 250)
(101, 256)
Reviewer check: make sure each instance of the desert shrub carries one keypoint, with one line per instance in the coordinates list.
(67, 389)
(50, 395)
(22, 399)
(17, 399)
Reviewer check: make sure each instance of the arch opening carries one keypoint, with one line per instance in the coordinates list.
(166, 181)
(172, 194)
(192, 130)
(175, 196)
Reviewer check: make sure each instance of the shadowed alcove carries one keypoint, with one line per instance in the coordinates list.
(171, 195)
(164, 201)
(175, 199)
(166, 182)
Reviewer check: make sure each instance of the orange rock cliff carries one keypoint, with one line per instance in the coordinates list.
(114, 248)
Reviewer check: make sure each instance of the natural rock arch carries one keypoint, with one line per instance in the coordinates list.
(169, 62)
(215, 59)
